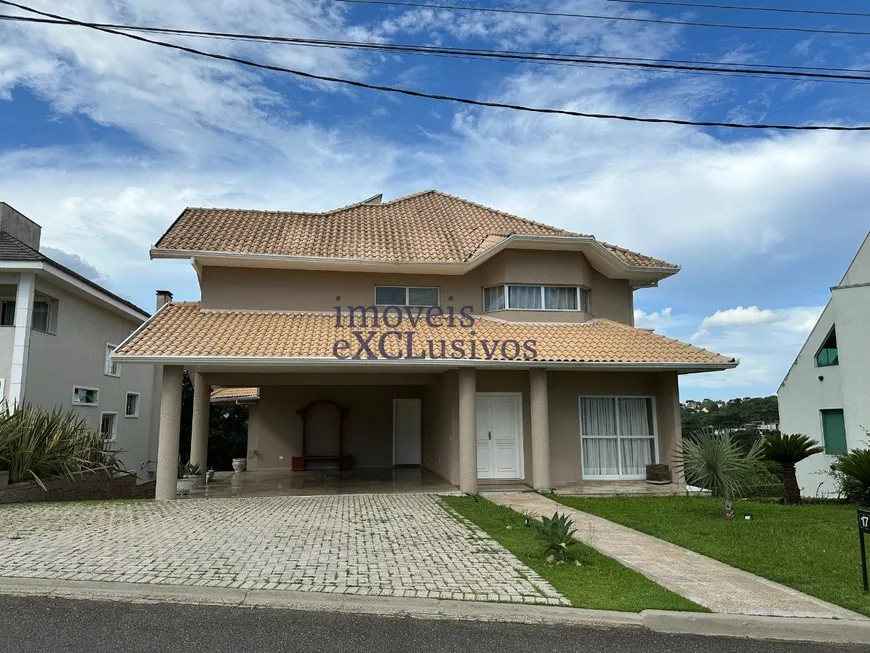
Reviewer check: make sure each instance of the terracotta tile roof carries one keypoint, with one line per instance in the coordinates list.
(229, 394)
(429, 226)
(183, 330)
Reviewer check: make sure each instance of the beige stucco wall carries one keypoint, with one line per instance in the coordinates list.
(261, 289)
(368, 435)
(75, 355)
(276, 430)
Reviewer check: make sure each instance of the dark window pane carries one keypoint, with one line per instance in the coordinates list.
(828, 354)
(390, 296)
(7, 313)
(493, 298)
(422, 296)
(584, 300)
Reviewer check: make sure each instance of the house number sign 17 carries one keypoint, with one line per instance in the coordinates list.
(863, 528)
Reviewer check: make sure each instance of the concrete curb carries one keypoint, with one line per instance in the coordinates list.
(839, 631)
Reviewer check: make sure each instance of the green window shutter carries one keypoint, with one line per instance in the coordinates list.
(834, 431)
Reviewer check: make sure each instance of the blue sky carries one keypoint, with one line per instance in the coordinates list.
(104, 141)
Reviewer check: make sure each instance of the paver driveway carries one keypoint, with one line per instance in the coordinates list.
(389, 545)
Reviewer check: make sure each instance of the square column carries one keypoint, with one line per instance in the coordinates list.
(199, 428)
(540, 418)
(670, 424)
(21, 338)
(467, 430)
(168, 437)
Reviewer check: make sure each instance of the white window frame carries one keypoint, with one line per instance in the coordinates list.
(116, 366)
(138, 399)
(541, 287)
(85, 387)
(52, 303)
(655, 437)
(111, 437)
(437, 289)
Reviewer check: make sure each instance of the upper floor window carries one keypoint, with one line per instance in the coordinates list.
(535, 298)
(84, 396)
(7, 312)
(44, 314)
(111, 368)
(406, 296)
(828, 355)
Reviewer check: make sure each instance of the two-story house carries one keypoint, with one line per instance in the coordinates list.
(428, 330)
(826, 393)
(57, 332)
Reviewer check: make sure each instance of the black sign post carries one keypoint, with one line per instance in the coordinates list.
(863, 527)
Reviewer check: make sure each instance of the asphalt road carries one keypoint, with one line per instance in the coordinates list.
(71, 626)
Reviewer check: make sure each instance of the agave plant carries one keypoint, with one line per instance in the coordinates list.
(36, 444)
(788, 451)
(717, 462)
(558, 533)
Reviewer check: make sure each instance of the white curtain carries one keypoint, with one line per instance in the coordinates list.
(597, 416)
(493, 298)
(637, 453)
(600, 457)
(524, 297)
(557, 297)
(634, 418)
(604, 442)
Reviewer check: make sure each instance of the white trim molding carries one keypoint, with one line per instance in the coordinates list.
(21, 340)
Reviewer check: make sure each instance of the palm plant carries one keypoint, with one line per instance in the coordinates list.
(716, 462)
(36, 444)
(788, 451)
(855, 467)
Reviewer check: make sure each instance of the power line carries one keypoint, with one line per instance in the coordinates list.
(433, 96)
(631, 19)
(784, 72)
(778, 10)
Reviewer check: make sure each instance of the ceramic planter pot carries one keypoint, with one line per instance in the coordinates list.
(198, 480)
(184, 485)
(240, 464)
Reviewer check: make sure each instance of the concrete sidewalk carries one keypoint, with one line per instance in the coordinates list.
(707, 582)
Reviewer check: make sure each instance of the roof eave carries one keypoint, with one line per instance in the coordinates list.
(601, 258)
(324, 362)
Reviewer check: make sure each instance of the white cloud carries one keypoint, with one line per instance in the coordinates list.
(765, 340)
(738, 316)
(652, 320)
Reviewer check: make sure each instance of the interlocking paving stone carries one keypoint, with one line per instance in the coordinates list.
(386, 545)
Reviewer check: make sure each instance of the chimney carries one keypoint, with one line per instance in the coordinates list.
(163, 298)
(19, 226)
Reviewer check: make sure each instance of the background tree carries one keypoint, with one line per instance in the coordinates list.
(227, 429)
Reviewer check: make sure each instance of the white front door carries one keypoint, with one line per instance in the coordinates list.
(406, 431)
(499, 436)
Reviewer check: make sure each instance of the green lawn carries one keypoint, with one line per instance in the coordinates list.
(600, 582)
(812, 548)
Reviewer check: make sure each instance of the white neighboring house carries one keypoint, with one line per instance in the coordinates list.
(826, 393)
(57, 330)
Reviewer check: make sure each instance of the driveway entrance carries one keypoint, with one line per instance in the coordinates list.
(383, 545)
